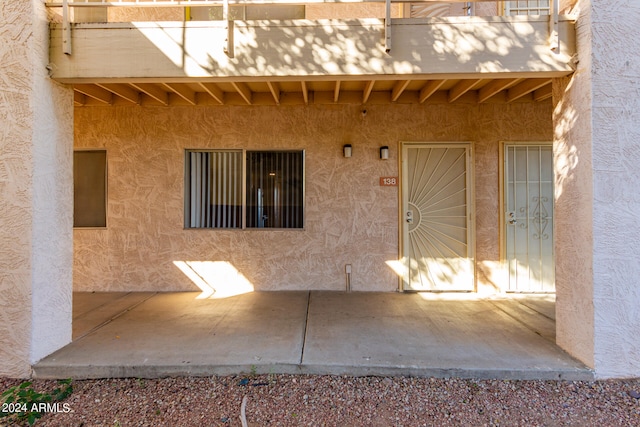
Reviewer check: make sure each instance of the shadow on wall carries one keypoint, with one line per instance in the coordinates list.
(566, 155)
(348, 47)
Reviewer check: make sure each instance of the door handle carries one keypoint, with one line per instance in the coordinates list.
(512, 218)
(409, 217)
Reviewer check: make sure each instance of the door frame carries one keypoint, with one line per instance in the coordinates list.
(502, 228)
(403, 285)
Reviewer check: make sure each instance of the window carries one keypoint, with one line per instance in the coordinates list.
(237, 189)
(527, 7)
(90, 188)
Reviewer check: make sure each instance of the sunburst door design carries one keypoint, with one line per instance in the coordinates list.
(437, 227)
(528, 227)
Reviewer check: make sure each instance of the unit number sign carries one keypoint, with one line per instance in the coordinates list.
(389, 181)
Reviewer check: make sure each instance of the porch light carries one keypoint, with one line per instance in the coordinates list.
(347, 150)
(384, 152)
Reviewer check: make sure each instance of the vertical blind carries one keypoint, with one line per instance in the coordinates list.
(274, 189)
(213, 198)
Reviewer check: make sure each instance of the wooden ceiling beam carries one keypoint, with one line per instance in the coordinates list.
(274, 88)
(153, 91)
(398, 88)
(333, 91)
(366, 93)
(462, 87)
(214, 91)
(305, 92)
(79, 98)
(545, 92)
(95, 92)
(525, 88)
(244, 91)
(183, 91)
(494, 87)
(123, 91)
(429, 89)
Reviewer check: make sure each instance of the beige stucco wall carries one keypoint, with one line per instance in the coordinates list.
(36, 194)
(351, 11)
(574, 194)
(134, 14)
(350, 219)
(598, 226)
(312, 11)
(487, 8)
(615, 85)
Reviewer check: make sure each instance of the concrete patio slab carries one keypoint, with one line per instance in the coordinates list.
(178, 334)
(170, 334)
(93, 309)
(398, 333)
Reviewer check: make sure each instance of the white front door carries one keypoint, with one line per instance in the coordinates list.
(528, 218)
(437, 226)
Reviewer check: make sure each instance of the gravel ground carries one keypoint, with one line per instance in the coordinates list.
(310, 400)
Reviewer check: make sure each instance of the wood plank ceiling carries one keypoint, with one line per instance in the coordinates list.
(320, 91)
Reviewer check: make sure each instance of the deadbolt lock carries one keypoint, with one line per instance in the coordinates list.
(409, 217)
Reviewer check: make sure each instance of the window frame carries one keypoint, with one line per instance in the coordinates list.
(243, 185)
(507, 8)
(105, 188)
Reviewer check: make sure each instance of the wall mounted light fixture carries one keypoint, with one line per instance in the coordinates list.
(384, 152)
(346, 150)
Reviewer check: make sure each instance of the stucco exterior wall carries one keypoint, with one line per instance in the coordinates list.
(15, 193)
(598, 226)
(350, 218)
(52, 204)
(36, 193)
(568, 7)
(134, 14)
(312, 11)
(573, 209)
(351, 11)
(487, 8)
(615, 83)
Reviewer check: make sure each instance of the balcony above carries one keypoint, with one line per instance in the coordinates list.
(306, 61)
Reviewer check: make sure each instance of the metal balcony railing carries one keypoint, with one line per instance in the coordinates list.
(86, 11)
(427, 8)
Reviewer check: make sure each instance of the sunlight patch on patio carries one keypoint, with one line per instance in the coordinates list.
(216, 279)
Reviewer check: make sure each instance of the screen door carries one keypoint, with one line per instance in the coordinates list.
(437, 234)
